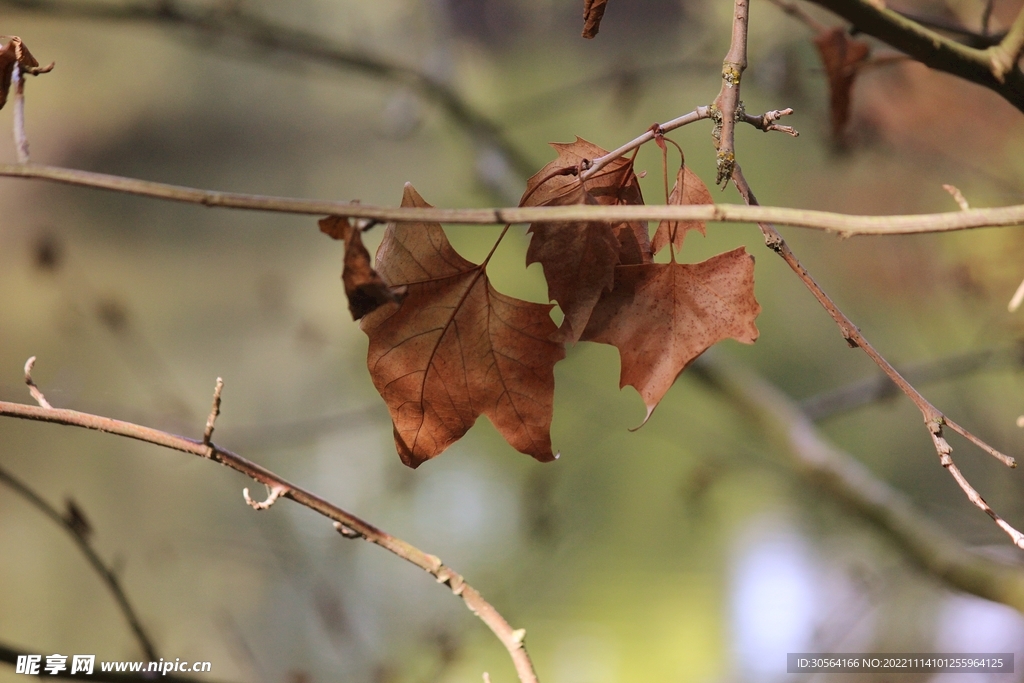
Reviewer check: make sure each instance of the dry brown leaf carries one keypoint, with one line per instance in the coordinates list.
(456, 349)
(365, 289)
(662, 316)
(578, 257)
(841, 56)
(689, 189)
(593, 12)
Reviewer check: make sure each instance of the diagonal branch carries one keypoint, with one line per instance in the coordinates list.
(106, 574)
(934, 419)
(842, 477)
(845, 225)
(346, 523)
(991, 68)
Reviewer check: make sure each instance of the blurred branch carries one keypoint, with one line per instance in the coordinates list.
(77, 529)
(863, 392)
(994, 67)
(846, 225)
(729, 107)
(841, 477)
(347, 524)
(9, 655)
(264, 36)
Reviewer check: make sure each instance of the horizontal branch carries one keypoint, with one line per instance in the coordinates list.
(841, 477)
(843, 224)
(346, 523)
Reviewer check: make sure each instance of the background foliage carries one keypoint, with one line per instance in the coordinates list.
(683, 551)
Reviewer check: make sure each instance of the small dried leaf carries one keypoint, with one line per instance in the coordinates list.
(456, 349)
(593, 12)
(365, 289)
(841, 56)
(689, 189)
(662, 316)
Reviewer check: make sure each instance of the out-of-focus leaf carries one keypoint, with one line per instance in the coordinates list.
(841, 56)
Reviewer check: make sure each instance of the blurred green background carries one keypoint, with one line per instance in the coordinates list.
(682, 552)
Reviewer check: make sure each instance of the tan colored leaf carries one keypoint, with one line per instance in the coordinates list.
(578, 257)
(841, 56)
(365, 289)
(593, 12)
(662, 316)
(456, 349)
(689, 189)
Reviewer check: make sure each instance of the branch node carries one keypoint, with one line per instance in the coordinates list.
(214, 412)
(274, 492)
(33, 390)
(958, 197)
(518, 636)
(347, 531)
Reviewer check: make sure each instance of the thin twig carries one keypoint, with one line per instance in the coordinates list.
(843, 224)
(863, 392)
(20, 139)
(106, 573)
(214, 411)
(511, 638)
(33, 390)
(934, 419)
(842, 478)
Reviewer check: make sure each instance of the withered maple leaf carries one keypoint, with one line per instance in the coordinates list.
(841, 56)
(689, 189)
(365, 289)
(661, 316)
(579, 257)
(456, 348)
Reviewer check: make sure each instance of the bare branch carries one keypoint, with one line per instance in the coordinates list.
(20, 139)
(33, 390)
(986, 67)
(841, 477)
(728, 103)
(845, 225)
(511, 638)
(214, 411)
(106, 573)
